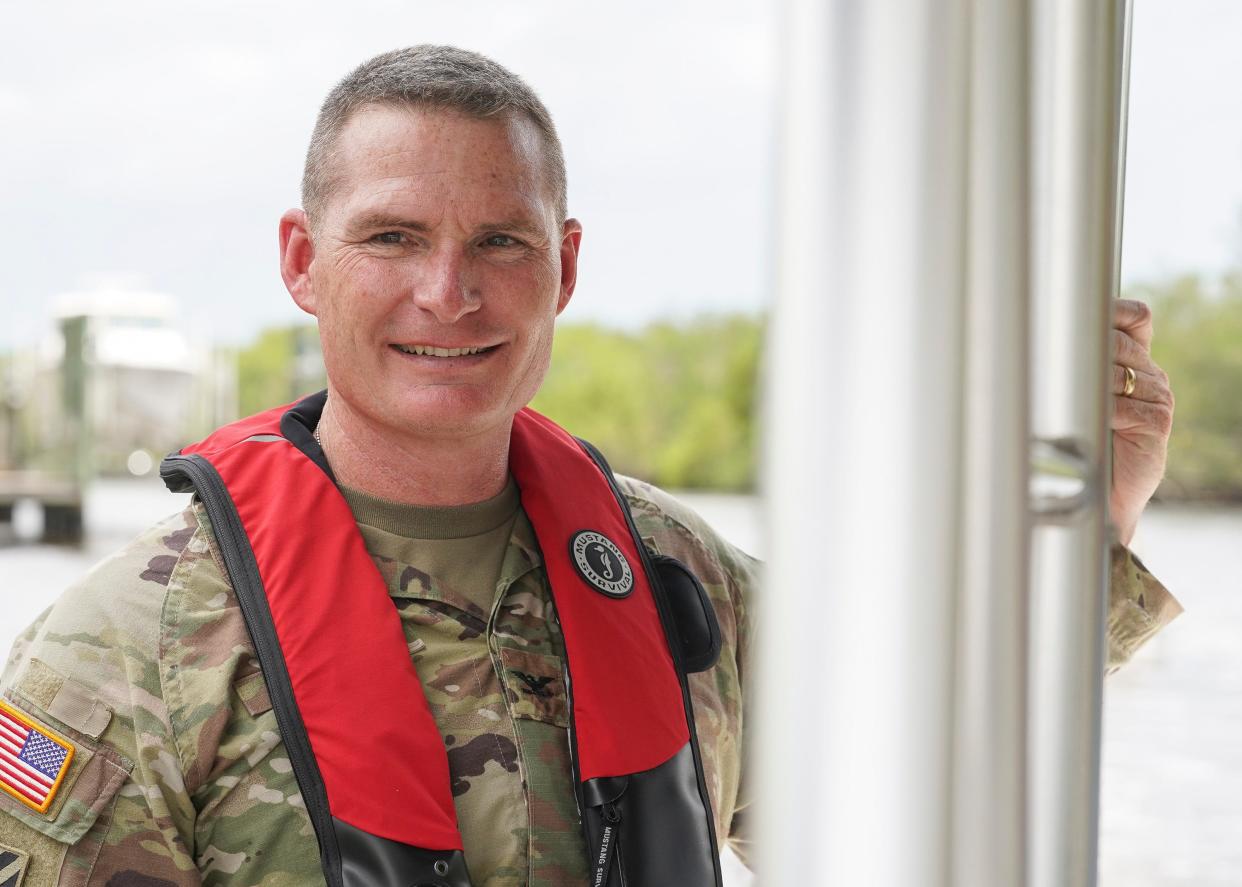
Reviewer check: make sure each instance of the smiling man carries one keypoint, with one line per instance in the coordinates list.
(436, 255)
(408, 631)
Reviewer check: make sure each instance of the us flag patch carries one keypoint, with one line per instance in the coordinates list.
(33, 759)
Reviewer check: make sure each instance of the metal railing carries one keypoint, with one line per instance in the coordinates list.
(932, 624)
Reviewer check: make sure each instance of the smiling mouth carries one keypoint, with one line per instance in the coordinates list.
(434, 351)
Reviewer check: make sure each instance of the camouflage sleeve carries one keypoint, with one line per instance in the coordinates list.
(1138, 606)
(730, 577)
(87, 677)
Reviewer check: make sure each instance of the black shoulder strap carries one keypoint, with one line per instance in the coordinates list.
(695, 636)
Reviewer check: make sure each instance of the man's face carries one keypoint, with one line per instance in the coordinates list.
(438, 270)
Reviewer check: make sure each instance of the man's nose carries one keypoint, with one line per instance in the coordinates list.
(446, 290)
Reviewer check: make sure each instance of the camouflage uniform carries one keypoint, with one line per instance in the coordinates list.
(180, 776)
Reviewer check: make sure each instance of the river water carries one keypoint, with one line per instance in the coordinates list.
(1172, 761)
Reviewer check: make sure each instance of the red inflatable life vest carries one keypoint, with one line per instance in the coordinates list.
(345, 692)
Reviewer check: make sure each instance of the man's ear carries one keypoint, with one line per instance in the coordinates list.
(297, 252)
(571, 241)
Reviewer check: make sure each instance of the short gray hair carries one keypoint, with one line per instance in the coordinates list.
(428, 76)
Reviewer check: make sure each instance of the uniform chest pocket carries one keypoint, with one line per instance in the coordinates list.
(535, 686)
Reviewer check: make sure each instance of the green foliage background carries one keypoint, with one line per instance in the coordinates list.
(672, 404)
(1198, 342)
(283, 364)
(675, 403)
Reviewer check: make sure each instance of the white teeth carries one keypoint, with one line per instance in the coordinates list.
(430, 351)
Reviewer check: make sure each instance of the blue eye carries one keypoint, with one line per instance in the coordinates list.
(388, 237)
(500, 240)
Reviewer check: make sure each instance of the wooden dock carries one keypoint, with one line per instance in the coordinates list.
(59, 497)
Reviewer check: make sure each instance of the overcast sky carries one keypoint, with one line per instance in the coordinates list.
(156, 144)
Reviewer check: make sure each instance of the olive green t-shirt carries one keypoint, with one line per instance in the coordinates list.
(461, 546)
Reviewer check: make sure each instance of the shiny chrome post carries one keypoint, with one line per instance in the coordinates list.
(989, 790)
(864, 400)
(924, 147)
(1080, 87)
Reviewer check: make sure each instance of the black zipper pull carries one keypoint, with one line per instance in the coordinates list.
(608, 841)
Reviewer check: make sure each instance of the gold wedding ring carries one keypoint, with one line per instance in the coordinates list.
(1131, 378)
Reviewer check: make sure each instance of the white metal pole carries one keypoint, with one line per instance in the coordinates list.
(1080, 88)
(864, 399)
(989, 765)
(895, 745)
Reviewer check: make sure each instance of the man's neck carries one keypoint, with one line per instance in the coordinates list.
(376, 459)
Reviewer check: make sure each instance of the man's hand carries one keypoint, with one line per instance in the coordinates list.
(1141, 422)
